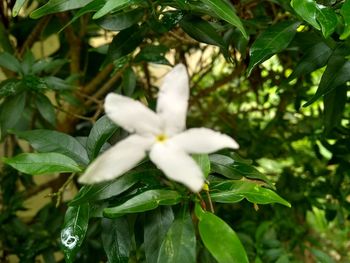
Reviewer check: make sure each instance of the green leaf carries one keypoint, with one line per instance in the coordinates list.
(336, 74)
(179, 244)
(9, 87)
(10, 62)
(74, 229)
(125, 42)
(116, 239)
(345, 12)
(334, 105)
(327, 19)
(5, 42)
(220, 239)
(102, 130)
(46, 109)
(96, 192)
(308, 10)
(204, 163)
(145, 201)
(42, 163)
(112, 5)
(225, 11)
(91, 7)
(234, 191)
(56, 83)
(129, 81)
(234, 169)
(17, 7)
(56, 6)
(53, 141)
(121, 20)
(202, 31)
(157, 223)
(273, 40)
(314, 58)
(11, 111)
(153, 54)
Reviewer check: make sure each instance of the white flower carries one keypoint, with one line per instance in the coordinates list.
(160, 134)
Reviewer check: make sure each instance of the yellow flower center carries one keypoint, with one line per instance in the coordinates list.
(161, 138)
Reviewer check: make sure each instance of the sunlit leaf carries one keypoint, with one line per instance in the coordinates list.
(345, 12)
(225, 11)
(273, 40)
(308, 10)
(327, 20)
(56, 6)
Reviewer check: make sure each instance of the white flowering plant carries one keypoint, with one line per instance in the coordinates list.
(161, 174)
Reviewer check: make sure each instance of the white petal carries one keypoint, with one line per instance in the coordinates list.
(177, 165)
(131, 115)
(203, 140)
(117, 160)
(173, 100)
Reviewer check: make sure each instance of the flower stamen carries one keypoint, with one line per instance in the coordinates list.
(161, 138)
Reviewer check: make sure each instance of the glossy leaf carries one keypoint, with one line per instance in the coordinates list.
(336, 74)
(308, 10)
(225, 11)
(112, 5)
(314, 58)
(116, 239)
(11, 111)
(232, 169)
(235, 191)
(328, 21)
(45, 108)
(179, 244)
(53, 141)
(345, 12)
(120, 21)
(157, 224)
(145, 201)
(56, 6)
(91, 7)
(102, 130)
(105, 190)
(9, 62)
(273, 40)
(202, 31)
(220, 239)
(17, 7)
(125, 42)
(42, 163)
(74, 229)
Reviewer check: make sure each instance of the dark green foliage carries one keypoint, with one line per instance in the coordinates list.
(272, 74)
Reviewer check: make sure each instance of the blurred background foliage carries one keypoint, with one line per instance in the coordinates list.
(278, 83)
